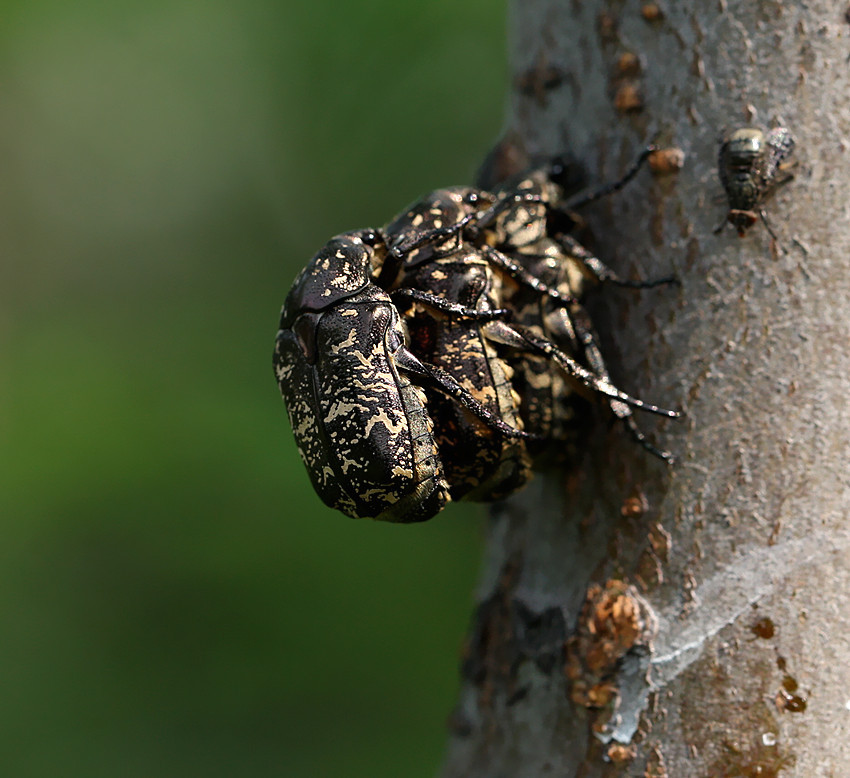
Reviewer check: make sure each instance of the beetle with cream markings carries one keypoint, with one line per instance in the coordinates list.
(397, 351)
(555, 270)
(344, 369)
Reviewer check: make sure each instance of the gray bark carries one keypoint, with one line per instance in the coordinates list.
(642, 620)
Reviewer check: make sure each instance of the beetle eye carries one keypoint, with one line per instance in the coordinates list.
(370, 237)
(471, 198)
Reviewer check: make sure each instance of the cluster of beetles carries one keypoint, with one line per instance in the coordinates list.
(438, 358)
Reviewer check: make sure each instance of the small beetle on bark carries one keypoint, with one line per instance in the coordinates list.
(750, 167)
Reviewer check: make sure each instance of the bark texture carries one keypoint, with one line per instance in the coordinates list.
(641, 620)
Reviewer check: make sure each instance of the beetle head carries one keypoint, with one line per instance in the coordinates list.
(341, 268)
(741, 220)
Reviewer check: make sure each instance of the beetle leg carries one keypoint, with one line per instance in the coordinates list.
(431, 236)
(600, 271)
(394, 260)
(614, 186)
(763, 216)
(447, 306)
(440, 379)
(587, 337)
(470, 226)
(521, 275)
(524, 340)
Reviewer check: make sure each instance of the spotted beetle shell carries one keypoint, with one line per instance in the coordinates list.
(480, 463)
(362, 428)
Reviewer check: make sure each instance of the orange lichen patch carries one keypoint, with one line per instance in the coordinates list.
(614, 625)
(601, 695)
(614, 620)
(666, 161)
(619, 753)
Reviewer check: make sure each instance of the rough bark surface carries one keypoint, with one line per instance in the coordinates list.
(641, 620)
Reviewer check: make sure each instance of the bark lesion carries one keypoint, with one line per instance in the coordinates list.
(607, 658)
(506, 633)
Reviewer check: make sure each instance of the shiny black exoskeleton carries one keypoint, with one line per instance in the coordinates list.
(352, 389)
(537, 272)
(411, 358)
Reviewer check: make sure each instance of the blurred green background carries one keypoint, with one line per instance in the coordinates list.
(175, 600)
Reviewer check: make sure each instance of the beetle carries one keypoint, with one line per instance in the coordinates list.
(431, 263)
(430, 243)
(536, 241)
(354, 390)
(749, 164)
(391, 354)
(547, 391)
(480, 463)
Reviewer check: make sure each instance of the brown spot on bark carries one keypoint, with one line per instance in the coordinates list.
(628, 98)
(635, 506)
(655, 766)
(666, 161)
(607, 27)
(539, 80)
(764, 628)
(618, 753)
(628, 65)
(790, 703)
(660, 540)
(651, 12)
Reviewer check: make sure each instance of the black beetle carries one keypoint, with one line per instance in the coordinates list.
(344, 369)
(539, 271)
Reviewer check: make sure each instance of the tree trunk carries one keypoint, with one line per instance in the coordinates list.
(644, 620)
